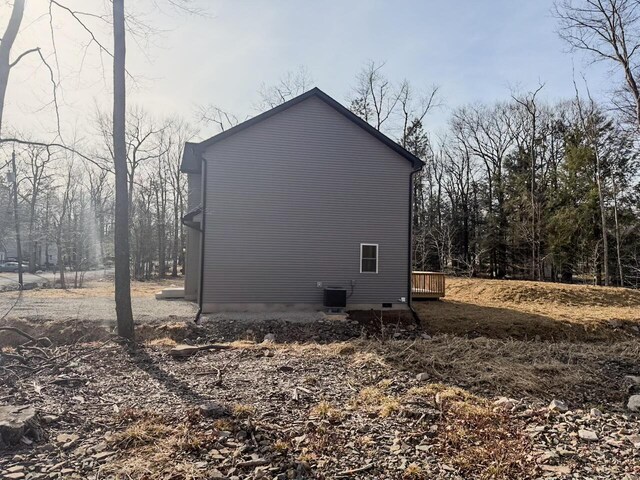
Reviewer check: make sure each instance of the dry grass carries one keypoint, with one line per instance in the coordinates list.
(325, 411)
(143, 432)
(414, 472)
(376, 400)
(479, 441)
(581, 372)
(471, 435)
(533, 310)
(153, 446)
(241, 410)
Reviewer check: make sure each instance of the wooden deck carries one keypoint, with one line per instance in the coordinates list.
(427, 285)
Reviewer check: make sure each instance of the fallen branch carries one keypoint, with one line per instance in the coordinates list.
(79, 355)
(189, 350)
(353, 471)
(30, 338)
(252, 463)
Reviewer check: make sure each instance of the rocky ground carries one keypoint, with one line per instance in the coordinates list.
(334, 398)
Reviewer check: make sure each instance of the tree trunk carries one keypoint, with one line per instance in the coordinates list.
(6, 44)
(617, 232)
(63, 283)
(124, 315)
(603, 219)
(16, 219)
(32, 217)
(175, 245)
(534, 261)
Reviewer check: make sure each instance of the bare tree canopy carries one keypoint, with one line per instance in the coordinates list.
(610, 31)
(290, 85)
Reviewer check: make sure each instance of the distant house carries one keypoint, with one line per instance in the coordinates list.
(46, 253)
(301, 206)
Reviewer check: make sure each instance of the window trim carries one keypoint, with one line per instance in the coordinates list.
(377, 255)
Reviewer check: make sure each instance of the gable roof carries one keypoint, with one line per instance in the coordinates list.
(192, 154)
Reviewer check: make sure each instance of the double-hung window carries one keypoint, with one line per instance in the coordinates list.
(368, 258)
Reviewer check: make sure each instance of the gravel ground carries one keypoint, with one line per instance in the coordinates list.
(95, 309)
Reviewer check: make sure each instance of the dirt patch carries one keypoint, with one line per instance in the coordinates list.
(69, 332)
(384, 324)
(533, 310)
(60, 333)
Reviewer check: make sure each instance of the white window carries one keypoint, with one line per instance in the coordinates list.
(368, 258)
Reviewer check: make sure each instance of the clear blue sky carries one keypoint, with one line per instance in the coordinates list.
(474, 50)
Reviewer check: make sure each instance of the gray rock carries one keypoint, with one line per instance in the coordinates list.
(595, 413)
(631, 379)
(505, 402)
(422, 377)
(635, 440)
(66, 438)
(214, 410)
(103, 456)
(588, 435)
(557, 469)
(48, 419)
(269, 338)
(558, 406)
(14, 476)
(17, 421)
(634, 403)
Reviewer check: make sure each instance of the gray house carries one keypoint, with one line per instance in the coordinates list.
(301, 206)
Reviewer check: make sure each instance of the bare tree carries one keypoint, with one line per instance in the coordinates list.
(58, 220)
(610, 31)
(488, 134)
(374, 97)
(531, 107)
(179, 134)
(290, 85)
(6, 65)
(124, 314)
(37, 176)
(100, 194)
(414, 110)
(589, 123)
(6, 44)
(221, 119)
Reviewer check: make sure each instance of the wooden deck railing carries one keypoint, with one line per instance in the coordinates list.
(427, 284)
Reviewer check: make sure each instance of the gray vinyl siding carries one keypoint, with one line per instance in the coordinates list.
(290, 200)
(194, 189)
(192, 264)
(192, 257)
